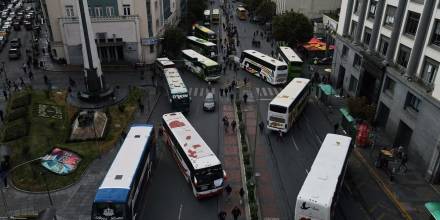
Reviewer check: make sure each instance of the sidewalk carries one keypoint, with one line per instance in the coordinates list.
(74, 201)
(402, 198)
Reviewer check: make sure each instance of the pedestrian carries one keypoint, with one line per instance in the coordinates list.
(222, 215)
(30, 75)
(233, 125)
(46, 80)
(236, 212)
(336, 127)
(228, 190)
(271, 53)
(226, 125)
(24, 67)
(241, 193)
(245, 80)
(4, 167)
(221, 91)
(15, 86)
(5, 94)
(403, 162)
(1, 115)
(21, 80)
(141, 107)
(226, 92)
(261, 125)
(280, 136)
(245, 97)
(209, 86)
(231, 95)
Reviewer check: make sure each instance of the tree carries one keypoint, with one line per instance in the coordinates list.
(293, 28)
(266, 10)
(252, 5)
(195, 10)
(173, 41)
(359, 108)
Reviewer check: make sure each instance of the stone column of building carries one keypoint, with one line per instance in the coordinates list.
(376, 25)
(361, 21)
(398, 18)
(348, 14)
(419, 41)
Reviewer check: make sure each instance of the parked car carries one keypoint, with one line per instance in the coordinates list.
(15, 43)
(2, 42)
(209, 102)
(14, 53)
(16, 25)
(27, 25)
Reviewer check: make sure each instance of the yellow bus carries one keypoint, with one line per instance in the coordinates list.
(242, 13)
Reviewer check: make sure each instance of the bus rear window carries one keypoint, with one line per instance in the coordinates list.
(282, 67)
(278, 109)
(108, 211)
(209, 174)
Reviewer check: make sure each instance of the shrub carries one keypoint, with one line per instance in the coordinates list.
(246, 159)
(20, 100)
(16, 113)
(245, 148)
(15, 130)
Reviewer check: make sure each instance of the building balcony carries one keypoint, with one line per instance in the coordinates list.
(101, 19)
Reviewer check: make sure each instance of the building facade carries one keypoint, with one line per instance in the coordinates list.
(389, 52)
(310, 8)
(126, 31)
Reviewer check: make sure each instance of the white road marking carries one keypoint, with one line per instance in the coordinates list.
(265, 99)
(195, 91)
(258, 91)
(264, 91)
(180, 212)
(269, 90)
(202, 91)
(277, 90)
(294, 143)
(189, 91)
(307, 171)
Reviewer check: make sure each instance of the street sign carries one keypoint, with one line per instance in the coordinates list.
(149, 41)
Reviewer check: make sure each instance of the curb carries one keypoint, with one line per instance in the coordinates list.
(242, 169)
(383, 186)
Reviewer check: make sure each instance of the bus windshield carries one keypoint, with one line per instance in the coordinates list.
(213, 70)
(277, 108)
(282, 68)
(108, 211)
(207, 175)
(182, 98)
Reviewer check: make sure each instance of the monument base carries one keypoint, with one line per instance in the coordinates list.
(93, 97)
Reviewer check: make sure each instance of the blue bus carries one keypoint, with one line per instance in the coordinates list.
(122, 188)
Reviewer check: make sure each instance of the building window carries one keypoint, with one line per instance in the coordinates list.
(69, 11)
(411, 23)
(157, 23)
(435, 39)
(126, 9)
(110, 11)
(98, 11)
(389, 16)
(412, 102)
(151, 48)
(344, 51)
(90, 11)
(383, 45)
(353, 28)
(356, 6)
(357, 61)
(367, 36)
(429, 72)
(155, 5)
(372, 9)
(389, 86)
(353, 84)
(403, 56)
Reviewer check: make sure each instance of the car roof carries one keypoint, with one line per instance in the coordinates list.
(13, 48)
(209, 95)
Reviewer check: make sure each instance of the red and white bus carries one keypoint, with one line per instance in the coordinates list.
(198, 164)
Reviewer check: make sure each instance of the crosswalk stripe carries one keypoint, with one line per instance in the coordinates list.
(189, 91)
(264, 91)
(202, 91)
(195, 91)
(277, 90)
(213, 91)
(258, 91)
(269, 90)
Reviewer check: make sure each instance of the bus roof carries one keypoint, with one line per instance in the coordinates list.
(290, 92)
(433, 209)
(204, 29)
(174, 81)
(201, 41)
(265, 57)
(196, 149)
(123, 168)
(215, 11)
(165, 62)
(202, 59)
(290, 54)
(207, 12)
(321, 182)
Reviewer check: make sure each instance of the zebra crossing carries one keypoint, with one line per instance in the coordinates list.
(266, 92)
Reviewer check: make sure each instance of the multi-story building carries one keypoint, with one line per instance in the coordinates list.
(389, 52)
(127, 31)
(310, 8)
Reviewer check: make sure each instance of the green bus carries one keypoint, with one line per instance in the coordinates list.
(205, 33)
(293, 61)
(202, 46)
(202, 66)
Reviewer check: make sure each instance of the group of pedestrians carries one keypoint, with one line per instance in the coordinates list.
(236, 211)
(226, 124)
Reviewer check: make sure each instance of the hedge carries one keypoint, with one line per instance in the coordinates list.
(14, 114)
(20, 100)
(15, 130)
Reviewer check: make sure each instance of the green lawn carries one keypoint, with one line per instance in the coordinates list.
(46, 133)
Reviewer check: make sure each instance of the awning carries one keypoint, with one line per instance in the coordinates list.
(433, 209)
(346, 115)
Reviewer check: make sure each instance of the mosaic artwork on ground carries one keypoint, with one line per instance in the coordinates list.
(50, 111)
(60, 161)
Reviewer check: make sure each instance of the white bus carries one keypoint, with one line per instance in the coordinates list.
(294, 62)
(202, 46)
(215, 16)
(267, 68)
(123, 186)
(162, 63)
(319, 194)
(202, 66)
(206, 17)
(285, 108)
(198, 164)
(176, 89)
